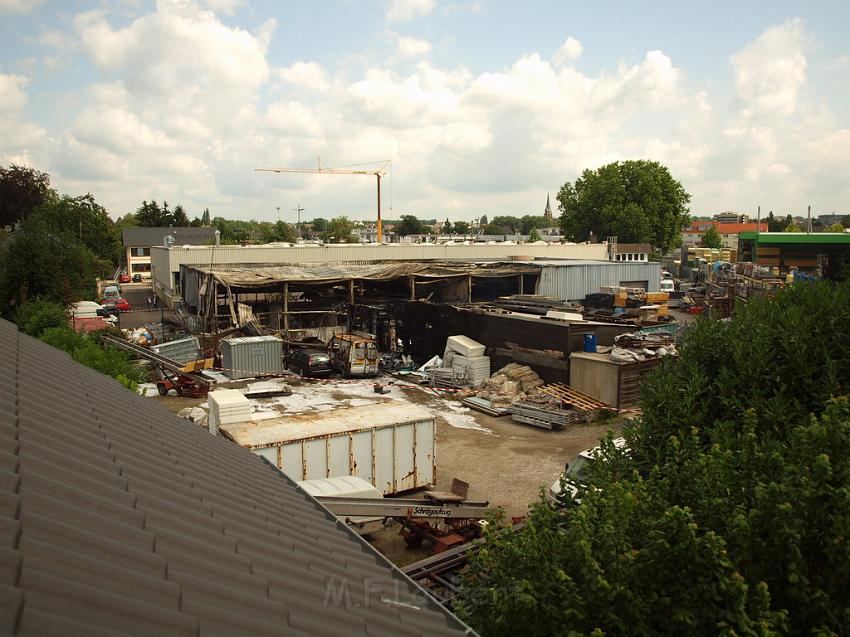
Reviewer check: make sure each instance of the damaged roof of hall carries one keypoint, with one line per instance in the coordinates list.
(264, 275)
(118, 518)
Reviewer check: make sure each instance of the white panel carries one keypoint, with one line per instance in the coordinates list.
(316, 458)
(291, 460)
(340, 464)
(425, 460)
(384, 453)
(405, 470)
(269, 453)
(361, 444)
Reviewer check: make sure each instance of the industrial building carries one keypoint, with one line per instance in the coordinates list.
(139, 241)
(827, 253)
(166, 262)
(729, 232)
(148, 525)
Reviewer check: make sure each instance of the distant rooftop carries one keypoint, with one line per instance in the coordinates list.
(154, 236)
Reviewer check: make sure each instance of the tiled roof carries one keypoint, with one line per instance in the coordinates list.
(118, 518)
(724, 228)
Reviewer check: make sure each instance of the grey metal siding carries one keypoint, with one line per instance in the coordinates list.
(252, 356)
(574, 282)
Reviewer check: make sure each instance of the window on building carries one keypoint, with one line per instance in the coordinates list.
(140, 252)
(141, 267)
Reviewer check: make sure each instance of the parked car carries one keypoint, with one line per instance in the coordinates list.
(137, 278)
(354, 355)
(90, 309)
(118, 304)
(310, 362)
(111, 292)
(575, 472)
(124, 278)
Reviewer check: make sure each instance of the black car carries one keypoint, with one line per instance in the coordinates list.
(310, 362)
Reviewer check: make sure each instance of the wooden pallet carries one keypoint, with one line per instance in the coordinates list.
(572, 397)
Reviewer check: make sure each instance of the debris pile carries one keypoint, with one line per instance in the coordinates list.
(512, 382)
(637, 346)
(196, 415)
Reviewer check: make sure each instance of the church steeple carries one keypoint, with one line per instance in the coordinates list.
(547, 214)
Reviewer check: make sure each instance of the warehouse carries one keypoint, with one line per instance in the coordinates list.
(825, 253)
(572, 280)
(166, 262)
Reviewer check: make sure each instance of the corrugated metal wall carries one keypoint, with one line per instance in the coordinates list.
(353, 253)
(574, 282)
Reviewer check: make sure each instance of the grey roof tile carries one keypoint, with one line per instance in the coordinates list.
(117, 518)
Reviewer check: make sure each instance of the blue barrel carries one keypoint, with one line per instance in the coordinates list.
(590, 342)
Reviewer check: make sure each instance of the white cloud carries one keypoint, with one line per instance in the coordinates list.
(19, 6)
(406, 10)
(224, 6)
(413, 47)
(770, 71)
(21, 141)
(305, 74)
(189, 105)
(570, 50)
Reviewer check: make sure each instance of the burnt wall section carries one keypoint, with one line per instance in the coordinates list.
(543, 345)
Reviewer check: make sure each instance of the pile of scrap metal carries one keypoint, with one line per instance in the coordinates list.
(534, 304)
(639, 346)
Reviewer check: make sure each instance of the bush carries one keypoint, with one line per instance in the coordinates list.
(89, 352)
(35, 317)
(727, 513)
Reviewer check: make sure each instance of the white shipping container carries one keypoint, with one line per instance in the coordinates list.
(393, 447)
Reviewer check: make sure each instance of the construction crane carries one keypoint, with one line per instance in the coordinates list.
(378, 173)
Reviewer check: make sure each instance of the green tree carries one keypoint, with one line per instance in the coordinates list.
(711, 238)
(774, 224)
(35, 317)
(205, 218)
(22, 190)
(461, 227)
(319, 225)
(409, 224)
(179, 218)
(792, 227)
(339, 230)
(88, 222)
(447, 227)
(279, 231)
(151, 215)
(527, 222)
(835, 227)
(534, 235)
(46, 261)
(727, 512)
(636, 201)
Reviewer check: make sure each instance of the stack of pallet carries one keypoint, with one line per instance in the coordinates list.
(227, 407)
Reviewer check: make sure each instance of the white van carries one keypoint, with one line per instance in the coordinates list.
(668, 285)
(90, 309)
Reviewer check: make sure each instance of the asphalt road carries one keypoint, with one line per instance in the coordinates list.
(137, 295)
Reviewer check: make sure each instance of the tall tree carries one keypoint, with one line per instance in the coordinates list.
(205, 218)
(447, 227)
(178, 217)
(636, 201)
(461, 227)
(711, 238)
(151, 215)
(22, 190)
(339, 230)
(409, 224)
(87, 221)
(319, 225)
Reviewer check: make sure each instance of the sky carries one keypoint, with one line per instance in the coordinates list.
(482, 106)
